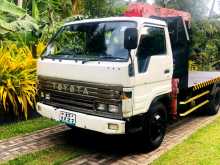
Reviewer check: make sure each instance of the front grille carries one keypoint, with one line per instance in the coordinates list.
(79, 96)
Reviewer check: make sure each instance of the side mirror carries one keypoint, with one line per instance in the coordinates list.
(130, 38)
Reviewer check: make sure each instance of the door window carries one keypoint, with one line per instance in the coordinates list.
(152, 43)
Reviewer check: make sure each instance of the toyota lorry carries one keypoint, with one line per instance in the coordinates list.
(123, 75)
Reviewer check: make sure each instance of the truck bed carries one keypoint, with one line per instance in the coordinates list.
(198, 77)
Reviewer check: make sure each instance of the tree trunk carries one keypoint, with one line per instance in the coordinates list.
(19, 3)
(75, 7)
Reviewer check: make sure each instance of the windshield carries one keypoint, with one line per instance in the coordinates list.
(90, 41)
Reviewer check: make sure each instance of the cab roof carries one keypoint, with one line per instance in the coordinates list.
(138, 20)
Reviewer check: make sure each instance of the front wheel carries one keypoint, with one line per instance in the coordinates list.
(154, 128)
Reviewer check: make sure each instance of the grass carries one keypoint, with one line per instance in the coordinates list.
(53, 156)
(19, 128)
(202, 148)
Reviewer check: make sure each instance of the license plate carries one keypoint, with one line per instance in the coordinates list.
(68, 117)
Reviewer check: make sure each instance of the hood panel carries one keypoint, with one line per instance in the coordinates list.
(113, 73)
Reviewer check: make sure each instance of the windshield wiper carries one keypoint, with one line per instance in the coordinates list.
(101, 58)
(67, 52)
(112, 57)
(59, 57)
(62, 55)
(88, 60)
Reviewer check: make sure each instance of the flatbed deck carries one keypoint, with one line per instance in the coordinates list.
(198, 77)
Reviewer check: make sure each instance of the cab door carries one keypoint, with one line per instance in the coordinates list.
(154, 67)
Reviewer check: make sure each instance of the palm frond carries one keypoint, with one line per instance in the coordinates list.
(11, 8)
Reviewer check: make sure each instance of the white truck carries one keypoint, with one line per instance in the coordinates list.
(123, 75)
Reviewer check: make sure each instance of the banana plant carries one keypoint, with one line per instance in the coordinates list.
(14, 18)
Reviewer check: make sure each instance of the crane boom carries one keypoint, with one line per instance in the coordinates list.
(147, 10)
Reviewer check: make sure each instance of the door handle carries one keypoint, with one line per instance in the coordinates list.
(167, 71)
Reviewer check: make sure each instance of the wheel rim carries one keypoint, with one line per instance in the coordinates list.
(157, 130)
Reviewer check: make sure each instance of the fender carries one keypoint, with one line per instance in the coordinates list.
(165, 99)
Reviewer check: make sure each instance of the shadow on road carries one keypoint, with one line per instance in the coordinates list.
(106, 144)
(114, 145)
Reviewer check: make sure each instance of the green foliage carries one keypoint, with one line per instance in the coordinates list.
(206, 38)
(48, 11)
(102, 8)
(198, 8)
(96, 8)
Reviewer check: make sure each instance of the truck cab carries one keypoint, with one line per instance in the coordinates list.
(87, 71)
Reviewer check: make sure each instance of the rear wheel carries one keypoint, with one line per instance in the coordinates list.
(214, 104)
(154, 128)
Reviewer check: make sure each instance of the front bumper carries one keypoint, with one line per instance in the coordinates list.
(94, 123)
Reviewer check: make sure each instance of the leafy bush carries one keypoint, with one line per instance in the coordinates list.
(17, 79)
(206, 40)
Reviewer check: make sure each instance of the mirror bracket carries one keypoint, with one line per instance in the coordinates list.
(131, 65)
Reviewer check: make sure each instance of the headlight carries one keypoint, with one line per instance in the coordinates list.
(113, 108)
(101, 107)
(47, 96)
(42, 94)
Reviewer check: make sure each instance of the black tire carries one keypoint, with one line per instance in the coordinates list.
(73, 128)
(214, 104)
(154, 128)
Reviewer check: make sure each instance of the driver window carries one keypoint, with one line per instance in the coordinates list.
(152, 43)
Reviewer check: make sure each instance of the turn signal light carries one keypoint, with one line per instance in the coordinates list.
(113, 126)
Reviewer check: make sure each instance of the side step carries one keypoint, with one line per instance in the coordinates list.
(194, 98)
(194, 108)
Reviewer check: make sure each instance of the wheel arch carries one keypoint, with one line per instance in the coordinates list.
(165, 100)
(217, 84)
(214, 87)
